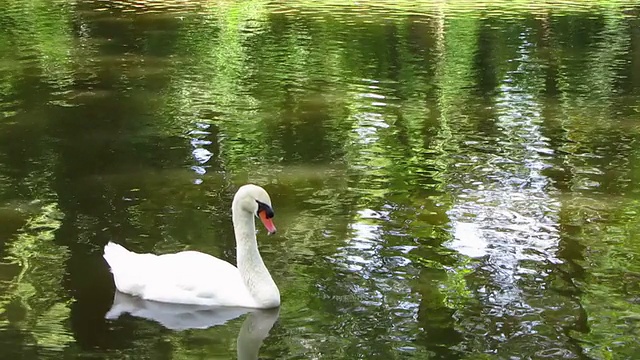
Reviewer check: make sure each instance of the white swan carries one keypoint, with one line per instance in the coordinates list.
(191, 277)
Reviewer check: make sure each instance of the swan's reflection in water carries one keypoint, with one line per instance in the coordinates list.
(254, 330)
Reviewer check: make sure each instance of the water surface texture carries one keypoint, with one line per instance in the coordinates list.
(451, 179)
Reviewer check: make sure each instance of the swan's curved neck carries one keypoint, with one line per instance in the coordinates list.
(254, 273)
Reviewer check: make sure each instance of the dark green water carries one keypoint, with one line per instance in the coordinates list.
(449, 182)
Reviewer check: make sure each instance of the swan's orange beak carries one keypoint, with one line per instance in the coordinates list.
(268, 223)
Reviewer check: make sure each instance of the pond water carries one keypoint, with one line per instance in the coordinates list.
(451, 180)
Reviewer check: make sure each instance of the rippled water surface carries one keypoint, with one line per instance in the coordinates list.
(451, 179)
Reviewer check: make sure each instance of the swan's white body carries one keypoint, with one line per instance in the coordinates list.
(192, 277)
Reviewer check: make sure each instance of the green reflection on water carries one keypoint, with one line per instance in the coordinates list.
(32, 307)
(451, 179)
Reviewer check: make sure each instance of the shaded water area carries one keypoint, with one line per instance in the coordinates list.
(451, 180)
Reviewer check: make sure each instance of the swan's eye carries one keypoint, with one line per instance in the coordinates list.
(266, 208)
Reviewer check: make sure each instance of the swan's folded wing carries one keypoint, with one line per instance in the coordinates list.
(196, 278)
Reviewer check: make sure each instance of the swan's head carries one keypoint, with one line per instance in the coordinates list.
(255, 200)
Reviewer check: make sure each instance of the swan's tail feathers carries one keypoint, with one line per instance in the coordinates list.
(114, 254)
(129, 269)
